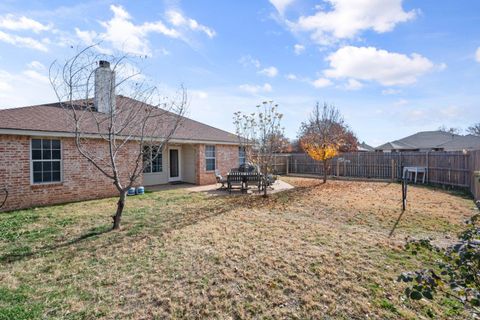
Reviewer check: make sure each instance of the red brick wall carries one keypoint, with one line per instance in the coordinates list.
(81, 180)
(226, 157)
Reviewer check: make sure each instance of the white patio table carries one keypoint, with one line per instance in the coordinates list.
(409, 171)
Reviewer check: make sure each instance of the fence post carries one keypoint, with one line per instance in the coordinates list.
(427, 165)
(338, 168)
(393, 169)
(287, 170)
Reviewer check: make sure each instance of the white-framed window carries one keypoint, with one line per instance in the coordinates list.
(241, 155)
(210, 158)
(152, 159)
(46, 161)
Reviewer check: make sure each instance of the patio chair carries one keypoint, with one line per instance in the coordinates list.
(269, 181)
(220, 179)
(235, 179)
(271, 178)
(247, 167)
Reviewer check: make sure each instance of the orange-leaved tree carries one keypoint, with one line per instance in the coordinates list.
(319, 152)
(325, 134)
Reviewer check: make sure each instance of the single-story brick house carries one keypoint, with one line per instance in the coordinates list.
(40, 164)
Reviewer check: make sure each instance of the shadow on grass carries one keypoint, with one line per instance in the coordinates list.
(19, 255)
(181, 218)
(396, 224)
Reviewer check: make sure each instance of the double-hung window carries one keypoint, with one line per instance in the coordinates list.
(152, 159)
(46, 160)
(241, 155)
(210, 158)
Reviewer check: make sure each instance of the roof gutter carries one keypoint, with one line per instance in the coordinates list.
(59, 134)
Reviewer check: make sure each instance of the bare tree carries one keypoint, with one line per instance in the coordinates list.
(145, 121)
(451, 130)
(325, 134)
(261, 134)
(474, 129)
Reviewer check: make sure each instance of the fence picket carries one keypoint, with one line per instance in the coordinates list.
(442, 167)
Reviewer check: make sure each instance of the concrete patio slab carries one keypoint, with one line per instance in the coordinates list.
(213, 189)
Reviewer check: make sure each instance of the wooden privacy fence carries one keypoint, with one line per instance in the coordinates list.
(475, 178)
(445, 168)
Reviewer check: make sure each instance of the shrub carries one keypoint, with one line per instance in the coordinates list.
(456, 273)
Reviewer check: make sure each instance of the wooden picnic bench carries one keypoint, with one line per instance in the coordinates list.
(243, 179)
(235, 179)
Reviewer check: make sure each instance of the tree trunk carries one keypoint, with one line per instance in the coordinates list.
(118, 215)
(265, 179)
(325, 171)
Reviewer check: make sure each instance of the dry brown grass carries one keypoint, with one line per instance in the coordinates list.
(317, 251)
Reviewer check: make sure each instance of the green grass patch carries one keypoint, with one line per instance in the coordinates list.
(16, 304)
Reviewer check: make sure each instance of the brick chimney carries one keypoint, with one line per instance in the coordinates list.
(104, 98)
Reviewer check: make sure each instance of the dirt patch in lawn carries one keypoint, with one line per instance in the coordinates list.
(320, 250)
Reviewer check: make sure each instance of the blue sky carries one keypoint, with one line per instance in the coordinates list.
(392, 67)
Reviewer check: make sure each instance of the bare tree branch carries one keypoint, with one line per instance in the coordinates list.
(139, 120)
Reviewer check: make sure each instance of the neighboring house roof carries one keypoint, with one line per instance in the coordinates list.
(365, 147)
(433, 140)
(468, 142)
(54, 118)
(396, 145)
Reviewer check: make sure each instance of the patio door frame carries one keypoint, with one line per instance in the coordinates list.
(179, 164)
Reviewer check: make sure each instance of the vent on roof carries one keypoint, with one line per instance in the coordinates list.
(104, 100)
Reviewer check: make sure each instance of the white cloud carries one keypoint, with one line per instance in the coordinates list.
(24, 42)
(281, 5)
(298, 49)
(401, 102)
(88, 37)
(13, 87)
(124, 35)
(451, 111)
(36, 65)
(5, 85)
(129, 72)
(35, 75)
(442, 66)
(11, 22)
(248, 60)
(353, 84)
(269, 72)
(321, 83)
(434, 116)
(177, 19)
(198, 94)
(132, 38)
(477, 55)
(372, 64)
(390, 91)
(291, 76)
(348, 18)
(253, 89)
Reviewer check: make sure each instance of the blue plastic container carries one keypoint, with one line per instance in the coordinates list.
(140, 190)
(131, 191)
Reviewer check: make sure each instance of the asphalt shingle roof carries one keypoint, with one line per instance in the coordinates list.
(433, 140)
(365, 147)
(468, 142)
(54, 118)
